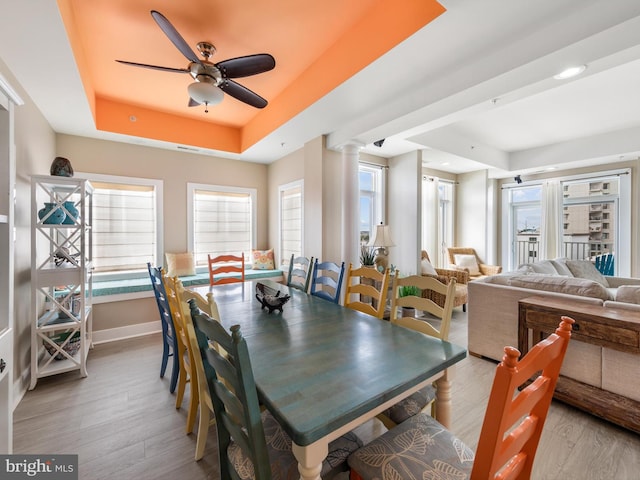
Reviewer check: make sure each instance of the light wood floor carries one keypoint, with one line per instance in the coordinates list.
(122, 422)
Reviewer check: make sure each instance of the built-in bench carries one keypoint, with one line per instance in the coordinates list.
(138, 287)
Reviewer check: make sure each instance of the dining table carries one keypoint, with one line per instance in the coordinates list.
(323, 369)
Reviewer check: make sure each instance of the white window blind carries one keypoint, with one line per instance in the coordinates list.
(125, 227)
(291, 221)
(223, 221)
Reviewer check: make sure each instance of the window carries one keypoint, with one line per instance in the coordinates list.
(221, 220)
(371, 194)
(445, 230)
(127, 224)
(291, 220)
(525, 224)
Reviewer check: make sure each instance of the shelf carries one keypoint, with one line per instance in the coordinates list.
(59, 366)
(53, 321)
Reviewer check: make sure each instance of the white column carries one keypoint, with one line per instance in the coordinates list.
(350, 203)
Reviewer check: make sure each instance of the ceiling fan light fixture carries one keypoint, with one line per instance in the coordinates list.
(205, 92)
(570, 72)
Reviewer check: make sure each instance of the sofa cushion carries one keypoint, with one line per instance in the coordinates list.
(426, 268)
(628, 294)
(560, 265)
(559, 284)
(586, 269)
(545, 266)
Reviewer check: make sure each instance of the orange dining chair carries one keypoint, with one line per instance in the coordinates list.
(371, 287)
(422, 448)
(224, 264)
(408, 296)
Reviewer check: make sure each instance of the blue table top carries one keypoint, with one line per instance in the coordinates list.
(319, 365)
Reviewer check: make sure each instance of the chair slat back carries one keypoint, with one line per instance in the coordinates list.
(326, 280)
(604, 264)
(423, 303)
(223, 264)
(233, 392)
(371, 287)
(299, 272)
(514, 419)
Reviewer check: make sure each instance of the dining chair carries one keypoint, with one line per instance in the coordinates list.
(169, 339)
(425, 397)
(605, 264)
(371, 287)
(251, 443)
(422, 448)
(199, 386)
(185, 355)
(326, 280)
(224, 264)
(299, 272)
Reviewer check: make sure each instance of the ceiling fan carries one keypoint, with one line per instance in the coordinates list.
(212, 79)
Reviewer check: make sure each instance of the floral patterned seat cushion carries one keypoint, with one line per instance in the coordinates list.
(284, 465)
(412, 405)
(418, 449)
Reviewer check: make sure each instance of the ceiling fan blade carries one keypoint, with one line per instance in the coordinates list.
(243, 94)
(170, 31)
(193, 103)
(246, 66)
(155, 67)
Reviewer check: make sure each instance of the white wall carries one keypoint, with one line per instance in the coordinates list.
(404, 215)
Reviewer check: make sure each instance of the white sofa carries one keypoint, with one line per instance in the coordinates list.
(493, 322)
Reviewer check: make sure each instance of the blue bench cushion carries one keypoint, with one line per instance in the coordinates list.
(134, 285)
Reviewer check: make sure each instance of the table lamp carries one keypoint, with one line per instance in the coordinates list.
(381, 240)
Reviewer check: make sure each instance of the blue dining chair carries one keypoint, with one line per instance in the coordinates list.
(604, 263)
(326, 280)
(251, 442)
(169, 339)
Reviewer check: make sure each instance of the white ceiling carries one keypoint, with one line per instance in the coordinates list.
(472, 89)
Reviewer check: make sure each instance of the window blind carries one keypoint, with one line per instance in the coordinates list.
(290, 222)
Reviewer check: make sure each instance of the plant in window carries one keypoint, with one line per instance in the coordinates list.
(367, 255)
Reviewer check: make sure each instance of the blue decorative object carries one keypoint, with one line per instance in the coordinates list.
(72, 213)
(56, 216)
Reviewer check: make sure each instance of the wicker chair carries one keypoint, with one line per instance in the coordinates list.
(445, 275)
(484, 269)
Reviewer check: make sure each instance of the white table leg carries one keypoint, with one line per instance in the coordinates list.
(443, 398)
(310, 459)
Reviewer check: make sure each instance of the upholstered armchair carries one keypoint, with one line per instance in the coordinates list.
(445, 275)
(465, 260)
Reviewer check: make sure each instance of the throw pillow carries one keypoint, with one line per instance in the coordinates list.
(586, 269)
(263, 259)
(561, 266)
(628, 294)
(180, 264)
(469, 262)
(427, 268)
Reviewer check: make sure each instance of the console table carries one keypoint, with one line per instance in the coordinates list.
(594, 324)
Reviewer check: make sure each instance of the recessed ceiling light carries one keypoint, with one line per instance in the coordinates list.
(570, 72)
(444, 163)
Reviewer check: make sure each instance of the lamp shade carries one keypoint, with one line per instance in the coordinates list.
(205, 92)
(382, 237)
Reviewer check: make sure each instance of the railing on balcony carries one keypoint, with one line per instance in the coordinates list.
(528, 251)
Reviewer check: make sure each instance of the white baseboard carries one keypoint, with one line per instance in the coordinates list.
(130, 331)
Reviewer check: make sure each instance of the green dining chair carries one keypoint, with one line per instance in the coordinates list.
(251, 443)
(299, 272)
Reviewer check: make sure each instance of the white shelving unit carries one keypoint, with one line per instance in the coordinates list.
(61, 276)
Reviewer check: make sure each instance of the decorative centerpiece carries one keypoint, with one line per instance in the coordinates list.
(270, 298)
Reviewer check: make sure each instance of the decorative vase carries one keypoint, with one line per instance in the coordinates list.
(71, 214)
(56, 216)
(61, 167)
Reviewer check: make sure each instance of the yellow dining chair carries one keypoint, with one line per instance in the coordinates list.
(408, 296)
(199, 384)
(185, 354)
(371, 287)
